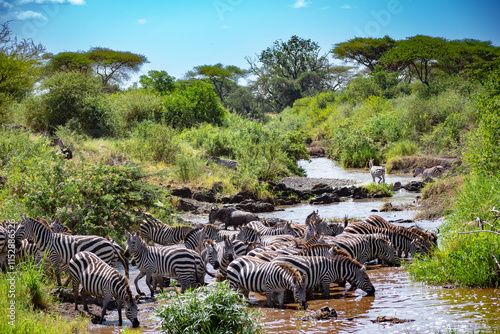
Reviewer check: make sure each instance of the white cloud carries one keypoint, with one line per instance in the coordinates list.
(41, 2)
(28, 15)
(5, 4)
(224, 26)
(300, 4)
(142, 21)
(346, 7)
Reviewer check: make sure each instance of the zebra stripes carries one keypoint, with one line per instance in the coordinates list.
(249, 274)
(377, 172)
(367, 247)
(99, 279)
(435, 171)
(231, 164)
(60, 248)
(278, 229)
(321, 271)
(181, 264)
(163, 234)
(217, 234)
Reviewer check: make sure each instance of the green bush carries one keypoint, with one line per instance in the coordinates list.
(70, 98)
(375, 189)
(208, 310)
(352, 148)
(195, 104)
(401, 148)
(151, 142)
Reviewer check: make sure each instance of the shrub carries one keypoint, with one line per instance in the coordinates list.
(353, 148)
(151, 142)
(375, 189)
(401, 148)
(195, 104)
(210, 309)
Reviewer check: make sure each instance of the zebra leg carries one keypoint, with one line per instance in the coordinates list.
(76, 286)
(105, 303)
(150, 286)
(141, 275)
(119, 305)
(84, 298)
(269, 296)
(325, 289)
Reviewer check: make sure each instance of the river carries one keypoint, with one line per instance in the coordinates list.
(431, 309)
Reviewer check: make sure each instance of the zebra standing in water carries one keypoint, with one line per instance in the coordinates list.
(435, 171)
(231, 164)
(60, 248)
(161, 233)
(249, 274)
(321, 271)
(377, 172)
(178, 263)
(100, 280)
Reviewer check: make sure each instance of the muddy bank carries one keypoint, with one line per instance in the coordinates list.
(407, 164)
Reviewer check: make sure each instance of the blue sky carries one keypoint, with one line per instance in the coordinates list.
(178, 35)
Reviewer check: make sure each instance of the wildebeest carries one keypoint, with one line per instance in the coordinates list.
(230, 216)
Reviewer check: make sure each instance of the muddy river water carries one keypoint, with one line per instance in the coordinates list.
(431, 309)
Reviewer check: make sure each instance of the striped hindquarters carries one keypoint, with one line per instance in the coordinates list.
(231, 164)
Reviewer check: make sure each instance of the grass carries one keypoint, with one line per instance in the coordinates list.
(27, 289)
(374, 189)
(211, 309)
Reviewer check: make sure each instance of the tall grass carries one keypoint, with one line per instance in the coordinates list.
(465, 259)
(211, 309)
(32, 313)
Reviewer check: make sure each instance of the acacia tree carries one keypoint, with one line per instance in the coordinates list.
(287, 70)
(364, 51)
(419, 52)
(221, 77)
(69, 62)
(113, 65)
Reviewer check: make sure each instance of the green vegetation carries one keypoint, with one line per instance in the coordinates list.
(210, 309)
(374, 189)
(28, 288)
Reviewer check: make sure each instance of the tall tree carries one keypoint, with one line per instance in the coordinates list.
(219, 76)
(115, 66)
(286, 70)
(364, 51)
(159, 81)
(70, 62)
(419, 52)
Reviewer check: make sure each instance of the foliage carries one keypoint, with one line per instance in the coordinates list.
(290, 70)
(219, 76)
(130, 107)
(364, 51)
(400, 148)
(90, 199)
(211, 309)
(483, 144)
(150, 141)
(193, 105)
(353, 148)
(159, 81)
(465, 259)
(28, 287)
(70, 98)
(376, 189)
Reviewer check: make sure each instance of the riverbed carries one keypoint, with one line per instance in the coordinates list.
(429, 309)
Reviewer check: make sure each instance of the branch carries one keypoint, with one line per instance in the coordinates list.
(497, 233)
(496, 261)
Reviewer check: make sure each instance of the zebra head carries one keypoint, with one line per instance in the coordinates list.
(363, 282)
(389, 254)
(209, 253)
(23, 231)
(133, 243)
(131, 309)
(299, 287)
(418, 170)
(229, 249)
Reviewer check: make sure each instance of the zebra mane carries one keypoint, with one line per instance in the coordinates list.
(295, 272)
(190, 233)
(203, 244)
(211, 227)
(40, 221)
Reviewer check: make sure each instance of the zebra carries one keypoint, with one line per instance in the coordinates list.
(231, 164)
(321, 250)
(161, 233)
(249, 274)
(435, 171)
(377, 172)
(99, 279)
(404, 241)
(60, 248)
(227, 251)
(427, 239)
(278, 229)
(217, 234)
(367, 247)
(179, 263)
(321, 271)
(57, 226)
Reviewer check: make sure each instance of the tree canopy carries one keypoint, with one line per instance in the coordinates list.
(290, 70)
(159, 81)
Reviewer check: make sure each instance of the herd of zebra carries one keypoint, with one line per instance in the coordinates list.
(378, 172)
(257, 257)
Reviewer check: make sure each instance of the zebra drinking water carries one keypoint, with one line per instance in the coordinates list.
(99, 279)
